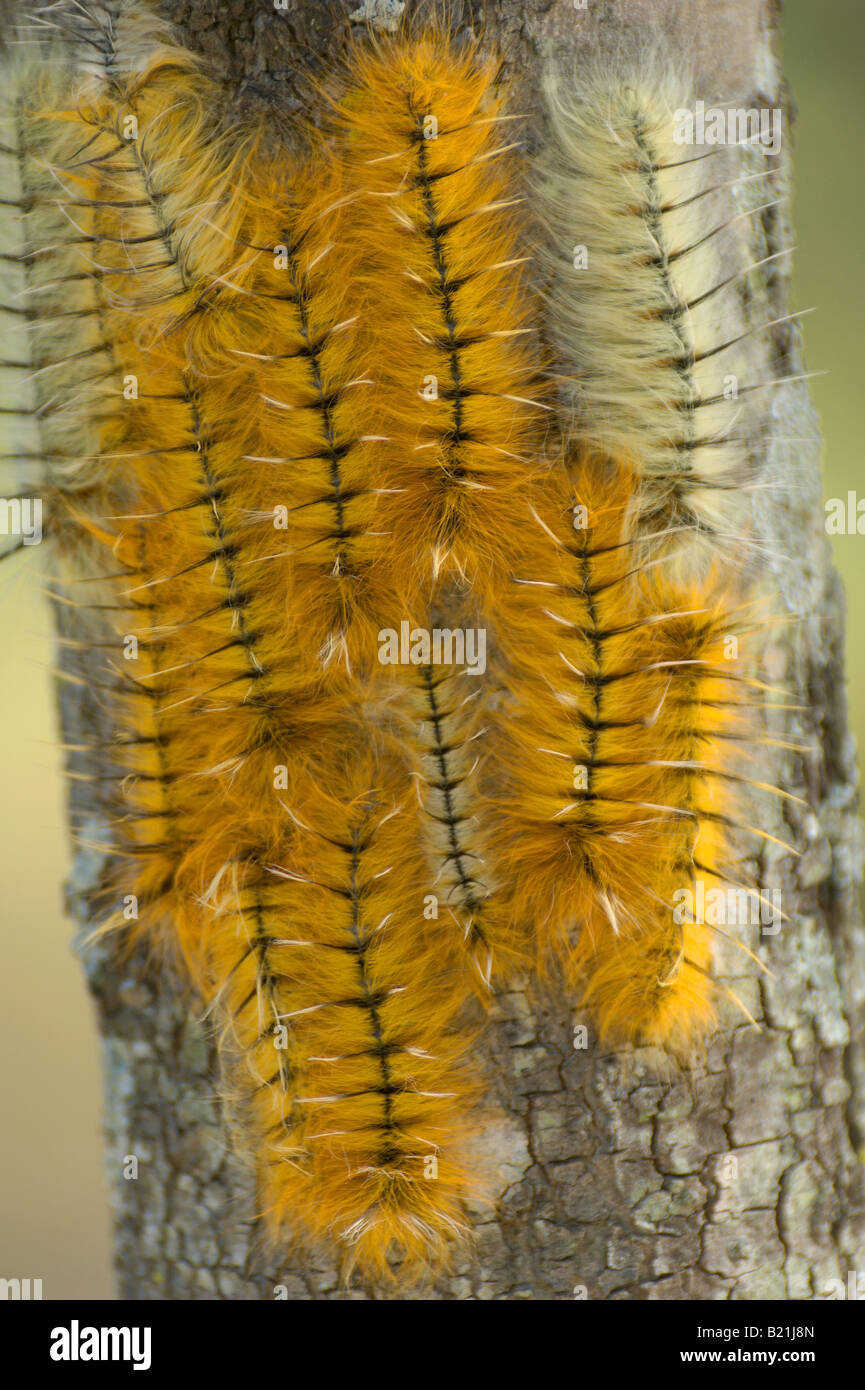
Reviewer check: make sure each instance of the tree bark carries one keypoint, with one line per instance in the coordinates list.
(614, 1179)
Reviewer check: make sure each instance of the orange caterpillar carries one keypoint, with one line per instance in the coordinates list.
(617, 753)
(441, 244)
(443, 726)
(628, 741)
(442, 239)
(297, 397)
(76, 432)
(343, 1002)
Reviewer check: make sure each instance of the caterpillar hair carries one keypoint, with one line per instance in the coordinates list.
(443, 710)
(64, 388)
(443, 241)
(126, 150)
(296, 384)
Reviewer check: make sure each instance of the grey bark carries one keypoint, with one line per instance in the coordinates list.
(612, 1175)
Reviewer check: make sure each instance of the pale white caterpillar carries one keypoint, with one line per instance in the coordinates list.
(648, 261)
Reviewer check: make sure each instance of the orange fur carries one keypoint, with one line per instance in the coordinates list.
(443, 730)
(195, 666)
(446, 314)
(448, 308)
(615, 755)
(360, 1107)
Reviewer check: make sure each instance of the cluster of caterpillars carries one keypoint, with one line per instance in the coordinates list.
(278, 404)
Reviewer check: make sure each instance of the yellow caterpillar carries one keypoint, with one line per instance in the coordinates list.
(621, 755)
(629, 647)
(345, 1000)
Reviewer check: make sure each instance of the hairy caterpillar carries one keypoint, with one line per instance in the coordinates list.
(351, 1020)
(647, 271)
(443, 726)
(64, 362)
(618, 756)
(459, 391)
(106, 151)
(300, 387)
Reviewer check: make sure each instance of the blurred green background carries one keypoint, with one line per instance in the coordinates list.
(53, 1201)
(823, 52)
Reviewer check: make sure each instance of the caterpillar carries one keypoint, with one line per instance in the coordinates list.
(647, 270)
(354, 1027)
(620, 757)
(159, 466)
(300, 386)
(442, 724)
(460, 391)
(65, 391)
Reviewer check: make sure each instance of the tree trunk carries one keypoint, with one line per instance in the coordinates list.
(738, 1179)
